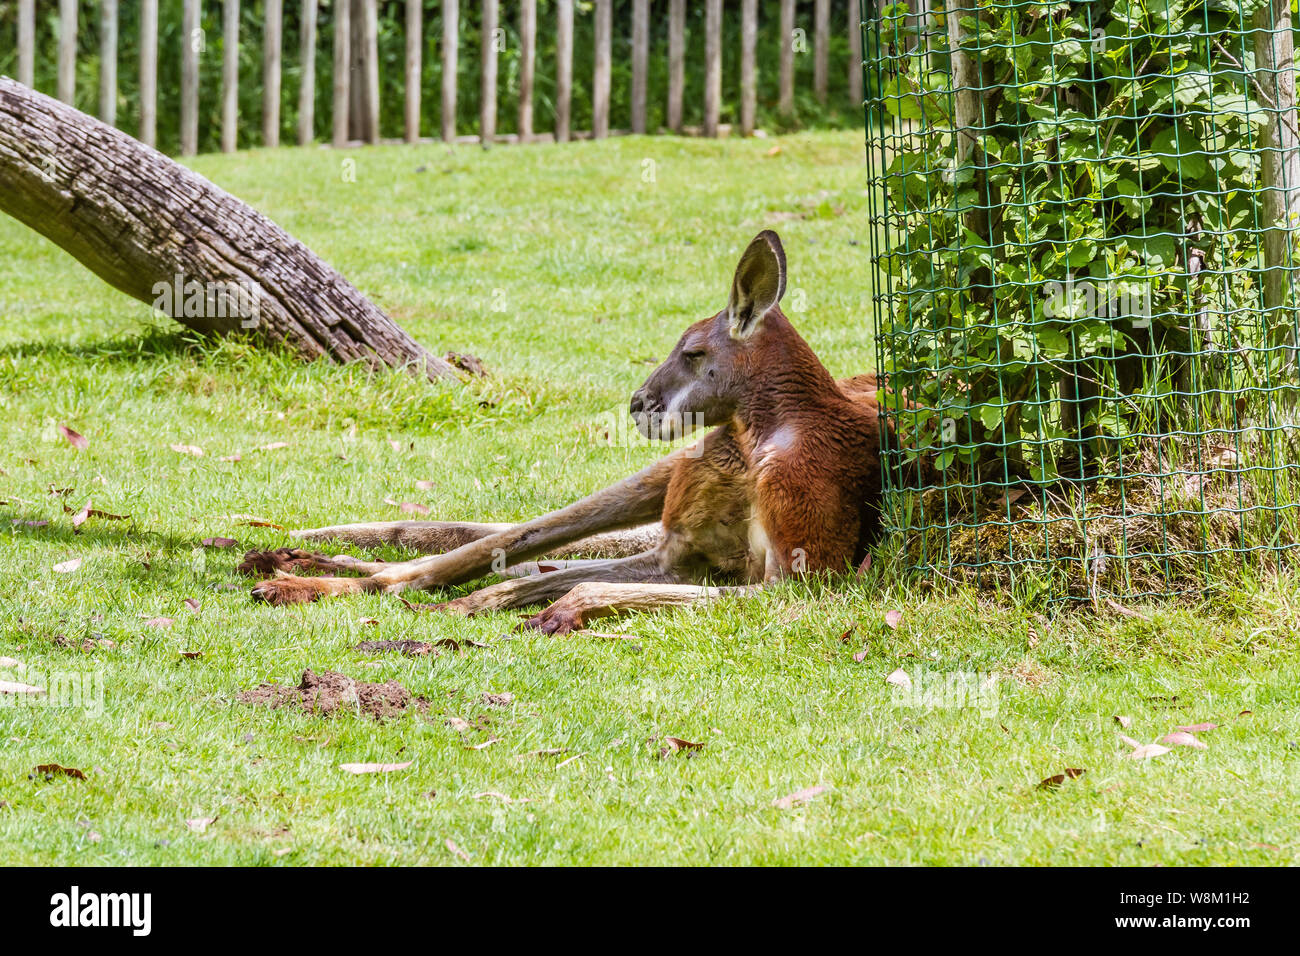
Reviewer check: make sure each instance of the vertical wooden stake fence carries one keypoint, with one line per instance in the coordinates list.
(27, 42)
(450, 47)
(272, 44)
(230, 76)
(190, 41)
(676, 62)
(307, 86)
(149, 72)
(821, 48)
(748, 81)
(487, 101)
(67, 89)
(785, 105)
(108, 62)
(600, 79)
(342, 72)
(563, 69)
(414, 58)
(640, 62)
(527, 64)
(712, 66)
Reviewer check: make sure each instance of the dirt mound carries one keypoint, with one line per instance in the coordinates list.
(409, 648)
(330, 692)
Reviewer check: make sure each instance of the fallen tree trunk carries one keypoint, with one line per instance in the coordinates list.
(166, 236)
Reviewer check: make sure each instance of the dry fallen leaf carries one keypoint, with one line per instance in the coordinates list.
(451, 845)
(899, 679)
(893, 619)
(75, 440)
(675, 744)
(160, 622)
(193, 604)
(199, 824)
(67, 567)
(231, 458)
(458, 724)
(1054, 781)
(1197, 728)
(13, 663)
(54, 770)
(194, 450)
(1125, 722)
(274, 445)
(1147, 751)
(485, 744)
(424, 485)
(798, 797)
(861, 656)
(1181, 738)
(374, 767)
(191, 655)
(220, 543)
(14, 687)
(865, 566)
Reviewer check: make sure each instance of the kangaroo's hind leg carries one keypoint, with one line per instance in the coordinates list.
(589, 600)
(630, 503)
(547, 586)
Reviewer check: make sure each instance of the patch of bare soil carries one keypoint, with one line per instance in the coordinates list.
(330, 692)
(409, 648)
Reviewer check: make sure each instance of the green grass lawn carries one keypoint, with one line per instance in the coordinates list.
(569, 271)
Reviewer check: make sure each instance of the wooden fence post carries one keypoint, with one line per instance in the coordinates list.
(307, 86)
(450, 47)
(487, 100)
(370, 41)
(821, 52)
(1280, 148)
(341, 10)
(527, 64)
(414, 58)
(563, 69)
(600, 78)
(676, 62)
(712, 66)
(271, 47)
(26, 42)
(108, 62)
(748, 83)
(230, 76)
(67, 51)
(640, 61)
(855, 56)
(149, 72)
(785, 104)
(190, 40)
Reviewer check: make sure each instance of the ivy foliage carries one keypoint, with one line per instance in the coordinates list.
(1087, 262)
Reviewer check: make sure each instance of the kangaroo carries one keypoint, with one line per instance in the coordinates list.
(788, 481)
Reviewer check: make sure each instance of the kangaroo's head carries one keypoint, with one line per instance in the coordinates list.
(702, 383)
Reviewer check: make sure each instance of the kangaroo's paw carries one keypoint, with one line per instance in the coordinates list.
(290, 589)
(557, 619)
(296, 561)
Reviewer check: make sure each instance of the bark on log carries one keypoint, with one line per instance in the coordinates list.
(136, 219)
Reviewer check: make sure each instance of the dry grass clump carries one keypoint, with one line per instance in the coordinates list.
(1165, 528)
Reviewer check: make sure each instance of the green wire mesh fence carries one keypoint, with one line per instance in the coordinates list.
(1084, 308)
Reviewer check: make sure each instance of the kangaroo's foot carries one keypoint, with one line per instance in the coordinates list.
(295, 560)
(291, 589)
(548, 585)
(590, 600)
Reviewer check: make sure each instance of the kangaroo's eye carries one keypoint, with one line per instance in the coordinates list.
(693, 356)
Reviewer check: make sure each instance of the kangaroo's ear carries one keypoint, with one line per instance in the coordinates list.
(758, 285)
